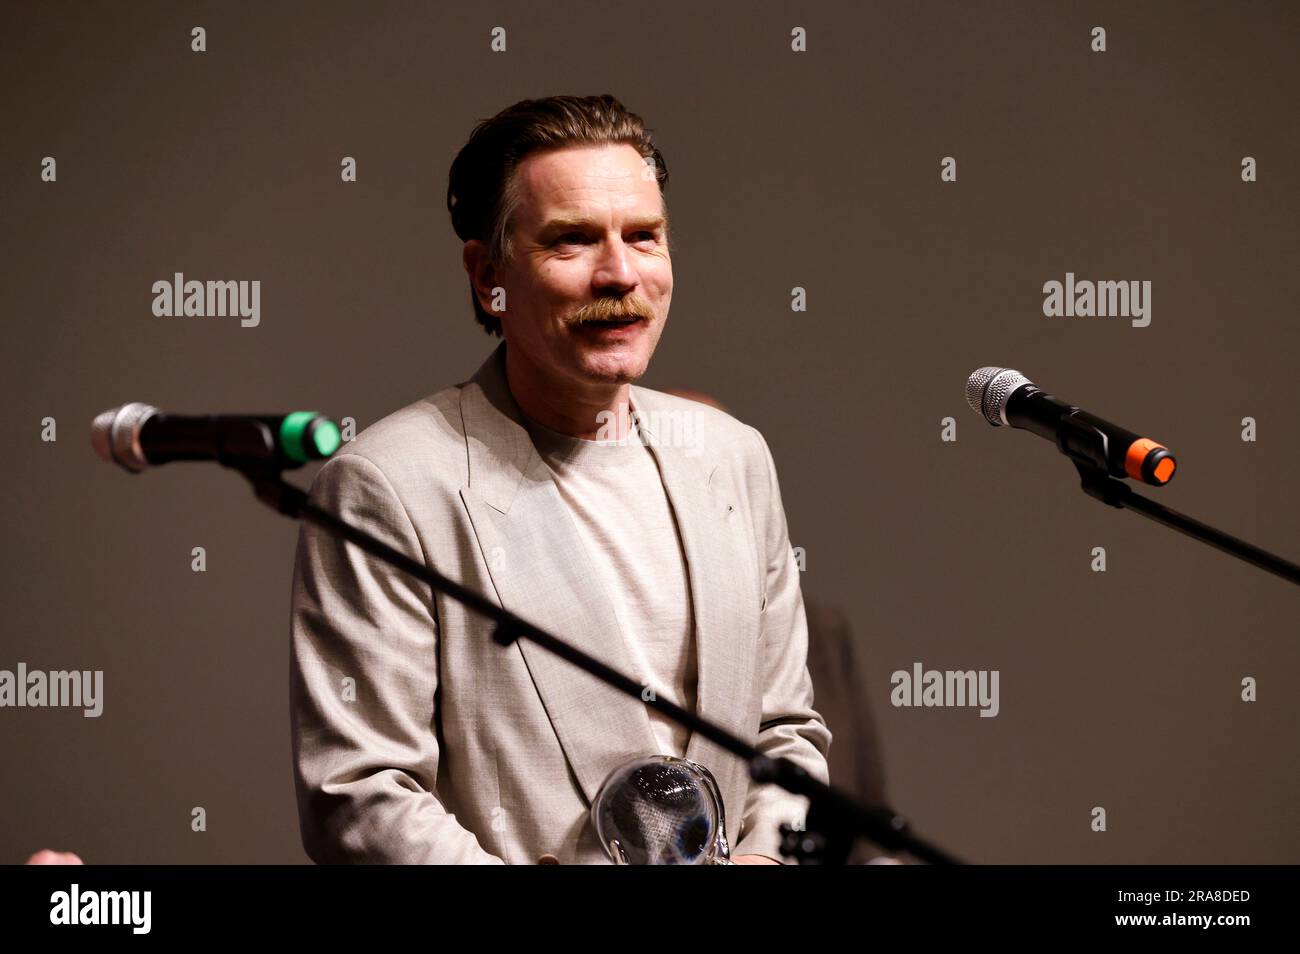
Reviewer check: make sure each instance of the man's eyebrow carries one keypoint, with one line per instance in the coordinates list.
(559, 224)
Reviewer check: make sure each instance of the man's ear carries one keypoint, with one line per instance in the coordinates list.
(482, 273)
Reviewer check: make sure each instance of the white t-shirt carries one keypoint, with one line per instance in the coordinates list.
(616, 495)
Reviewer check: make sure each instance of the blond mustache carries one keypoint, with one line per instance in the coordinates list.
(610, 309)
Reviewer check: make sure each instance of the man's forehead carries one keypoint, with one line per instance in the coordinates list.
(564, 181)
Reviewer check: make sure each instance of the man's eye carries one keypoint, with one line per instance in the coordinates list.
(571, 238)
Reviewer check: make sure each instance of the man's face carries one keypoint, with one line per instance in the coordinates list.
(590, 253)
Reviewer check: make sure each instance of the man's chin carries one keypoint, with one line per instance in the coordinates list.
(613, 369)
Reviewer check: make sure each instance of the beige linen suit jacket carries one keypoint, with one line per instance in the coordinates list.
(417, 738)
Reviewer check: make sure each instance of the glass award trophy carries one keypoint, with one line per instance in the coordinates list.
(661, 810)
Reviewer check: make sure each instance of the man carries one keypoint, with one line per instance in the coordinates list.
(552, 484)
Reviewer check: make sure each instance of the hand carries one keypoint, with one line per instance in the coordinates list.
(754, 860)
(47, 857)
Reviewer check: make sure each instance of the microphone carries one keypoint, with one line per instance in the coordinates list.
(136, 436)
(1006, 397)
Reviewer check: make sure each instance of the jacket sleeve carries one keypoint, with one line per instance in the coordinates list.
(789, 726)
(363, 684)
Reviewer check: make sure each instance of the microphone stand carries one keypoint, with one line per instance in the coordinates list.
(834, 821)
(1100, 485)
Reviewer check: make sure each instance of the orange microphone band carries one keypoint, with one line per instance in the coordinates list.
(1150, 462)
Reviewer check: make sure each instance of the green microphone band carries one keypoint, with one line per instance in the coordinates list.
(308, 435)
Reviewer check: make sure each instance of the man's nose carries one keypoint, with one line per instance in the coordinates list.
(614, 268)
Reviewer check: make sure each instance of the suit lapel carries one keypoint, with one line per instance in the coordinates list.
(541, 571)
(724, 591)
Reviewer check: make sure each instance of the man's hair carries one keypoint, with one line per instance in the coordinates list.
(482, 194)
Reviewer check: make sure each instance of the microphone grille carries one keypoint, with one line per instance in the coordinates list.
(987, 390)
(115, 435)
